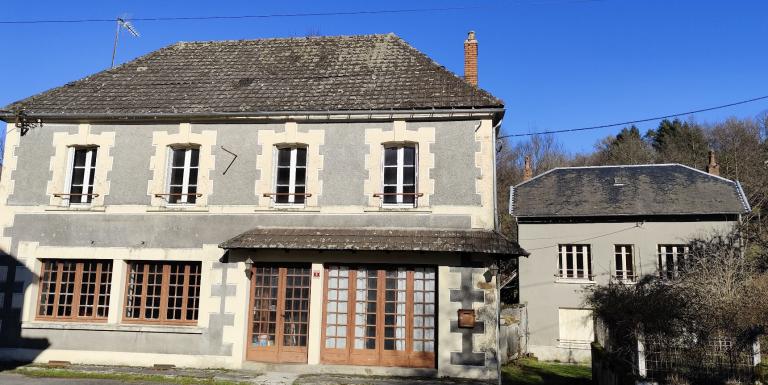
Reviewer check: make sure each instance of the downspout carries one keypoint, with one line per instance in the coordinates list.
(498, 261)
(495, 197)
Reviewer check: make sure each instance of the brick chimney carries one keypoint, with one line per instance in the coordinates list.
(528, 170)
(470, 59)
(713, 168)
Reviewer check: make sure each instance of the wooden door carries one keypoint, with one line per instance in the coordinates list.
(279, 309)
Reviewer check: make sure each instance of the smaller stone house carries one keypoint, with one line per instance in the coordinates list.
(589, 225)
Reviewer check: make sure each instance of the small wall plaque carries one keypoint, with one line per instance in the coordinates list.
(466, 318)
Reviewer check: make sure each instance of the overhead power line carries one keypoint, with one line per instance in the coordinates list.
(637, 121)
(265, 16)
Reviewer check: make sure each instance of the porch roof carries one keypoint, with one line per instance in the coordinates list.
(368, 239)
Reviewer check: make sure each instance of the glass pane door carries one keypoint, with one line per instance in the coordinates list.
(265, 281)
(279, 314)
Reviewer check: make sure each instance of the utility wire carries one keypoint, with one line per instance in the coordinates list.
(348, 13)
(637, 121)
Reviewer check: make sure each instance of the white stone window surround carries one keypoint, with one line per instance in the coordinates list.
(401, 201)
(376, 138)
(576, 254)
(61, 166)
(269, 141)
(34, 254)
(163, 141)
(294, 165)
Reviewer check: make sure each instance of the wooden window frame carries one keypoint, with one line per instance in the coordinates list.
(676, 251)
(623, 253)
(399, 185)
(580, 253)
(86, 195)
(164, 293)
(379, 356)
(184, 198)
(77, 290)
(290, 196)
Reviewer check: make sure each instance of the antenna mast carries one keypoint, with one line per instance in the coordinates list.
(122, 23)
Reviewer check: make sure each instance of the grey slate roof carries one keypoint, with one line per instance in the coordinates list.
(665, 189)
(335, 73)
(471, 241)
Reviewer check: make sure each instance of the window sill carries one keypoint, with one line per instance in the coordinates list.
(575, 281)
(177, 209)
(288, 209)
(397, 209)
(98, 209)
(40, 325)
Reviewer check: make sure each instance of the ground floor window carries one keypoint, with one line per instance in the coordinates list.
(576, 328)
(74, 290)
(163, 292)
(380, 316)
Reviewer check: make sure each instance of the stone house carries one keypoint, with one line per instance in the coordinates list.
(590, 225)
(327, 202)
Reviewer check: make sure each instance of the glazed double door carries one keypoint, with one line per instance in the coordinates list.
(279, 313)
(379, 316)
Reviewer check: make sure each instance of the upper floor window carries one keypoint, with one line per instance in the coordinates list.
(182, 175)
(291, 176)
(75, 290)
(82, 169)
(400, 175)
(575, 262)
(624, 263)
(672, 259)
(163, 292)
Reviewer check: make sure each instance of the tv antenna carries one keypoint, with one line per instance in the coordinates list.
(122, 23)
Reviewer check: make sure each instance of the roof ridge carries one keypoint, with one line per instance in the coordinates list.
(320, 37)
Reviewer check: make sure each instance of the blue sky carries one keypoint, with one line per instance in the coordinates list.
(556, 63)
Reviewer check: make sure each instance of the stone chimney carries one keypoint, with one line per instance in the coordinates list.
(470, 59)
(528, 170)
(713, 168)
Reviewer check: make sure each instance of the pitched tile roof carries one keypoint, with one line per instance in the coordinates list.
(334, 73)
(665, 189)
(471, 241)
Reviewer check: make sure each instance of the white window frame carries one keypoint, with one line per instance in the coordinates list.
(90, 162)
(621, 272)
(183, 199)
(662, 249)
(400, 166)
(291, 177)
(583, 251)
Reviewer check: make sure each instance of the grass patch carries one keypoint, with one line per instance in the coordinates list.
(127, 377)
(531, 372)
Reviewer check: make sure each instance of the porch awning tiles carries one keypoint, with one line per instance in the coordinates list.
(362, 239)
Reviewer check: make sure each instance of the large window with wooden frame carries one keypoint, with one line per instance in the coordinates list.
(624, 266)
(74, 290)
(80, 176)
(400, 176)
(574, 262)
(672, 260)
(380, 316)
(183, 167)
(291, 176)
(162, 292)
